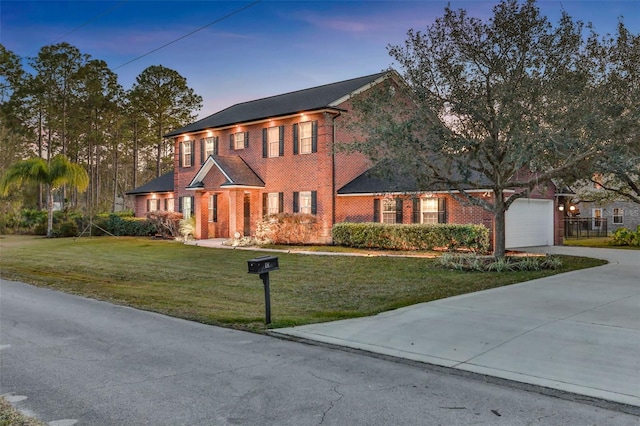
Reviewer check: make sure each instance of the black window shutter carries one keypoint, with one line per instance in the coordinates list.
(314, 136)
(215, 145)
(280, 202)
(193, 151)
(180, 204)
(215, 207)
(296, 202)
(314, 202)
(231, 140)
(442, 210)
(398, 210)
(246, 139)
(376, 210)
(180, 154)
(148, 204)
(295, 139)
(264, 204)
(416, 210)
(281, 141)
(203, 142)
(264, 143)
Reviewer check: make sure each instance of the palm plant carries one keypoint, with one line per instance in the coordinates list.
(53, 175)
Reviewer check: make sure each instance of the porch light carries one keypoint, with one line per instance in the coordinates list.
(572, 208)
(561, 207)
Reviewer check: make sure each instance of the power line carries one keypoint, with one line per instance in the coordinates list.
(92, 20)
(191, 33)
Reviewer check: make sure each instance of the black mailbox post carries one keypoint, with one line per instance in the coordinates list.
(262, 265)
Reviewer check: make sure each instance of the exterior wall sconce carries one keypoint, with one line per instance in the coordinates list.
(572, 208)
(561, 207)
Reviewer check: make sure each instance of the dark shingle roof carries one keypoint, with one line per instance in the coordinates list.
(289, 103)
(372, 182)
(162, 184)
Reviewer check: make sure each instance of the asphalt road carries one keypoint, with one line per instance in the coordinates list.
(70, 360)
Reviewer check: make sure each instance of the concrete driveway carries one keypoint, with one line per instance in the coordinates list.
(577, 332)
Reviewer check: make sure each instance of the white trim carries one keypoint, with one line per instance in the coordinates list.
(204, 170)
(380, 194)
(360, 90)
(223, 186)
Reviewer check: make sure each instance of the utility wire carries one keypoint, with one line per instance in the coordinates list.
(92, 20)
(191, 33)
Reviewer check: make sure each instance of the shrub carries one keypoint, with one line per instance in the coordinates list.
(187, 228)
(287, 228)
(626, 237)
(472, 262)
(65, 229)
(167, 223)
(123, 225)
(412, 237)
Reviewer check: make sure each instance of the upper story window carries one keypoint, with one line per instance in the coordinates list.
(305, 137)
(186, 153)
(209, 146)
(273, 142)
(239, 140)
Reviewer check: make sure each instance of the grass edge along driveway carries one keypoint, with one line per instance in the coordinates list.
(212, 286)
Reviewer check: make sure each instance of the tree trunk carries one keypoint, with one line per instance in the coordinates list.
(49, 212)
(499, 235)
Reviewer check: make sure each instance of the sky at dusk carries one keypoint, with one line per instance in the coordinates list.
(252, 50)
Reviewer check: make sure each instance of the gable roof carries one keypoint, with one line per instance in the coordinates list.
(163, 183)
(315, 98)
(234, 169)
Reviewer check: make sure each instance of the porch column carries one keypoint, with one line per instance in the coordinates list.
(201, 213)
(233, 224)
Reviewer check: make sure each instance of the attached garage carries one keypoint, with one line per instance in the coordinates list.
(529, 222)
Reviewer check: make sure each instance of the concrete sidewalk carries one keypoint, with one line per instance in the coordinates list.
(577, 332)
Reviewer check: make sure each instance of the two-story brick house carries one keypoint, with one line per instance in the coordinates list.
(277, 154)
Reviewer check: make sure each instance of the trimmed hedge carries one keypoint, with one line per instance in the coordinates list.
(412, 237)
(120, 225)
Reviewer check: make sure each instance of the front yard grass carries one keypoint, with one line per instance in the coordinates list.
(596, 242)
(212, 285)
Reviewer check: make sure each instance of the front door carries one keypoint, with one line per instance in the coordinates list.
(247, 215)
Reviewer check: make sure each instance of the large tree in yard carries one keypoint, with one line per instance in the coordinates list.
(504, 104)
(54, 174)
(162, 97)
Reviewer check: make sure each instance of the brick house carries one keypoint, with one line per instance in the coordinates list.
(276, 155)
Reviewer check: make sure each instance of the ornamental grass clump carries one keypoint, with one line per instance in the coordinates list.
(475, 263)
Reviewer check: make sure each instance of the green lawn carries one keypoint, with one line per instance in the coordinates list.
(212, 285)
(596, 242)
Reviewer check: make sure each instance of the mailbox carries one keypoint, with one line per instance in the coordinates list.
(263, 264)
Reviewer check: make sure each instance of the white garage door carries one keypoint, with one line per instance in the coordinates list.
(529, 223)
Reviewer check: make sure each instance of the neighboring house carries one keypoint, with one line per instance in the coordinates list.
(619, 214)
(277, 155)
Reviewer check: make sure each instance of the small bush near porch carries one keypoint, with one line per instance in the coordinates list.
(452, 237)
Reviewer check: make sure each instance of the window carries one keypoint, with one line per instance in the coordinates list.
(239, 140)
(618, 216)
(272, 203)
(153, 205)
(168, 204)
(429, 210)
(273, 142)
(209, 146)
(186, 153)
(597, 218)
(305, 137)
(186, 207)
(213, 208)
(388, 210)
(305, 202)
